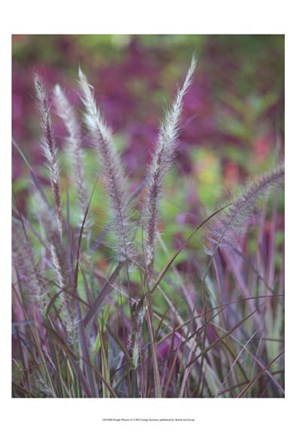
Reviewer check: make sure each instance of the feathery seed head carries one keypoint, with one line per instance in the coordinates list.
(112, 170)
(67, 114)
(25, 266)
(161, 162)
(233, 222)
(49, 146)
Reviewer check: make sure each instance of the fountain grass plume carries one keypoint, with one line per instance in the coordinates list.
(233, 222)
(111, 170)
(59, 265)
(161, 161)
(25, 267)
(49, 146)
(66, 112)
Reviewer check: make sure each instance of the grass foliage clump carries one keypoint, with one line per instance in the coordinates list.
(95, 315)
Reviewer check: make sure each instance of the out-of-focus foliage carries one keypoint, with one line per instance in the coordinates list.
(235, 105)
